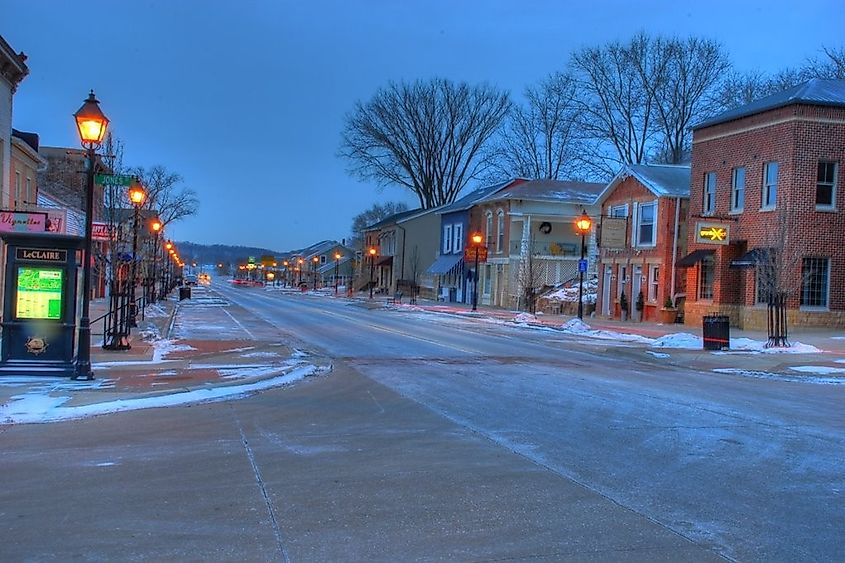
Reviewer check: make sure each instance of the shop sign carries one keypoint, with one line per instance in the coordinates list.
(712, 233)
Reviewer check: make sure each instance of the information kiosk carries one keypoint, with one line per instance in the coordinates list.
(39, 304)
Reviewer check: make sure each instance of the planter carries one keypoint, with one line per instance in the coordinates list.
(668, 316)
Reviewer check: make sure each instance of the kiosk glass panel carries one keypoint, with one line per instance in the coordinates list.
(40, 293)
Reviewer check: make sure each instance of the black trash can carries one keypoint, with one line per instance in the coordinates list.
(184, 293)
(717, 332)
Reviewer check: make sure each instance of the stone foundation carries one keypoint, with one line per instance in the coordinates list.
(756, 318)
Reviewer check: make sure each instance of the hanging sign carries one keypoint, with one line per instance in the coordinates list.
(22, 222)
(712, 233)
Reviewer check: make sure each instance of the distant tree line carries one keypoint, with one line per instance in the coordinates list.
(613, 104)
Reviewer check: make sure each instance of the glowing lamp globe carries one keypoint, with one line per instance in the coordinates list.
(583, 223)
(91, 122)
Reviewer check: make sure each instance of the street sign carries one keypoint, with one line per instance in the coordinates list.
(582, 265)
(114, 180)
(251, 260)
(469, 254)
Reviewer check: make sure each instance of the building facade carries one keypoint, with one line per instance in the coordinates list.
(643, 214)
(767, 209)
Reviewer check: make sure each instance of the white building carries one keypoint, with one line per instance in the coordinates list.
(13, 69)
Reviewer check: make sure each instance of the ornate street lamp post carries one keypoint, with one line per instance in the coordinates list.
(91, 123)
(137, 195)
(286, 282)
(336, 265)
(476, 243)
(165, 289)
(300, 262)
(372, 252)
(155, 225)
(315, 261)
(582, 225)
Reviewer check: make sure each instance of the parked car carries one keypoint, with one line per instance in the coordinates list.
(190, 279)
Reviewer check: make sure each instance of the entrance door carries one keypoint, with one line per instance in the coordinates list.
(606, 305)
(636, 286)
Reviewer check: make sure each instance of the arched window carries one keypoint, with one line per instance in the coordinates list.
(500, 233)
(488, 231)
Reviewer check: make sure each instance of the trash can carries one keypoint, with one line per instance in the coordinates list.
(716, 332)
(184, 293)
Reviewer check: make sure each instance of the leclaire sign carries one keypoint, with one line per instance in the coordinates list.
(469, 254)
(22, 222)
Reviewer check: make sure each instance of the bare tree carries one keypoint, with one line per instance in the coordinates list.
(530, 275)
(617, 108)
(166, 194)
(832, 65)
(426, 136)
(682, 75)
(374, 214)
(541, 136)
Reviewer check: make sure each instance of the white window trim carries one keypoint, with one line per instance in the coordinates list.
(500, 230)
(704, 209)
(447, 239)
(763, 205)
(653, 282)
(832, 206)
(623, 207)
(638, 210)
(458, 234)
(488, 225)
(735, 209)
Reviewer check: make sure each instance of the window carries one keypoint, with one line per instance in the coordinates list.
(29, 197)
(500, 234)
(738, 189)
(706, 274)
(322, 258)
(815, 284)
(488, 228)
(654, 282)
(646, 223)
(447, 239)
(458, 245)
(770, 184)
(708, 203)
(826, 185)
(619, 211)
(17, 190)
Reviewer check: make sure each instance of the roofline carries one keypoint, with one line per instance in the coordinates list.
(627, 172)
(17, 60)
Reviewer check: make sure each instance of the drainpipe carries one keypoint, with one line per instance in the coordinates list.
(675, 246)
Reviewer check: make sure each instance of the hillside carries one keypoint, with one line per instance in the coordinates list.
(217, 253)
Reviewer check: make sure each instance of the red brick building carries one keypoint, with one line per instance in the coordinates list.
(643, 222)
(767, 209)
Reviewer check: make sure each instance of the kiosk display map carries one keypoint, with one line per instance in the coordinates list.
(40, 293)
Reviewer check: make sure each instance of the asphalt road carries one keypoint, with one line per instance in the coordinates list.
(437, 438)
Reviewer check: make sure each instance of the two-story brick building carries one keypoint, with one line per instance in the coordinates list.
(643, 233)
(767, 209)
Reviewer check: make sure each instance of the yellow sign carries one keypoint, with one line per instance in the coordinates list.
(712, 233)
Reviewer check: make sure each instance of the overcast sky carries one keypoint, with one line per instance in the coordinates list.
(246, 99)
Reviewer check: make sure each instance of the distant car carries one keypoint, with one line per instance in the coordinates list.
(190, 279)
(205, 279)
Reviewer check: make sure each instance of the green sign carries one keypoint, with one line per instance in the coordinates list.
(114, 180)
(40, 293)
(251, 260)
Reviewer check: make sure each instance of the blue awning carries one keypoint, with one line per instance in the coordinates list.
(445, 263)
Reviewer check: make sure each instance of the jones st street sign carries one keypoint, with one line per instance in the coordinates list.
(114, 180)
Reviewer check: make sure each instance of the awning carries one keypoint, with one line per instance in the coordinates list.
(751, 258)
(694, 258)
(444, 263)
(386, 261)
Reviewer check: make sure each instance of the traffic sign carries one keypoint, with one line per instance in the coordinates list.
(582, 265)
(114, 179)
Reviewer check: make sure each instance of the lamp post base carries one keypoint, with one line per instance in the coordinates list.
(82, 369)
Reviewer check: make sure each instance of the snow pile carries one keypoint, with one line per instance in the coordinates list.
(162, 348)
(155, 311)
(524, 318)
(576, 326)
(819, 370)
(746, 344)
(569, 292)
(679, 340)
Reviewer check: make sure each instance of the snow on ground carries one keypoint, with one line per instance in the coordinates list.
(782, 377)
(37, 406)
(819, 370)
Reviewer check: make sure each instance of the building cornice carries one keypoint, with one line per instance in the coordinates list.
(12, 65)
(772, 123)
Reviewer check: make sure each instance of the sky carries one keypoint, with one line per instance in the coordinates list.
(246, 100)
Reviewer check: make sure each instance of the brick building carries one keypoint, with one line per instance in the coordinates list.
(643, 233)
(767, 209)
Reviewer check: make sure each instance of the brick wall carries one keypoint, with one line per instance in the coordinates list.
(797, 137)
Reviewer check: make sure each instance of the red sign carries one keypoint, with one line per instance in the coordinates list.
(469, 254)
(102, 231)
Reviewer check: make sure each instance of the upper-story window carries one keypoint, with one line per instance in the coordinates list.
(458, 244)
(738, 189)
(619, 210)
(488, 227)
(708, 202)
(447, 239)
(17, 190)
(826, 185)
(322, 258)
(646, 224)
(500, 234)
(770, 185)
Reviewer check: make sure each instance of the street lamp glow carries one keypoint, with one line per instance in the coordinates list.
(476, 243)
(91, 122)
(137, 194)
(583, 223)
(477, 238)
(372, 251)
(337, 256)
(155, 226)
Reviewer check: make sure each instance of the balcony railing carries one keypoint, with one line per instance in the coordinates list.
(546, 248)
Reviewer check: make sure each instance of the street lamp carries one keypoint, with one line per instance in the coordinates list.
(155, 225)
(168, 246)
(476, 242)
(91, 123)
(582, 226)
(372, 252)
(336, 265)
(286, 282)
(316, 260)
(300, 261)
(137, 195)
